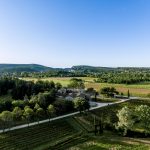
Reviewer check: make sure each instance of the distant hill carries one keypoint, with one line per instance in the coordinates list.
(85, 68)
(10, 68)
(23, 68)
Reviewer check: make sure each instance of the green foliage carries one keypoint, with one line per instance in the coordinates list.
(76, 83)
(19, 103)
(124, 76)
(40, 113)
(22, 68)
(104, 74)
(91, 91)
(5, 105)
(63, 106)
(129, 118)
(33, 101)
(143, 115)
(109, 91)
(126, 121)
(28, 113)
(37, 106)
(51, 110)
(6, 116)
(58, 86)
(17, 113)
(20, 89)
(44, 99)
(41, 100)
(81, 104)
(128, 93)
(24, 90)
(5, 85)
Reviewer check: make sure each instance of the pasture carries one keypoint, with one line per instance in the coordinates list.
(142, 89)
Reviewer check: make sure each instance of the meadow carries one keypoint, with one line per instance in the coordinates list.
(141, 89)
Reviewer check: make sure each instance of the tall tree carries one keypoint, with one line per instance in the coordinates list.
(28, 114)
(128, 94)
(7, 118)
(143, 115)
(81, 104)
(51, 111)
(109, 91)
(76, 83)
(17, 113)
(40, 113)
(126, 121)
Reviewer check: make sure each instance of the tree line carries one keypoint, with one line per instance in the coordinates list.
(129, 118)
(41, 106)
(123, 77)
(19, 88)
(34, 101)
(104, 75)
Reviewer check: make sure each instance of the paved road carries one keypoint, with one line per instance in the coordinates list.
(98, 105)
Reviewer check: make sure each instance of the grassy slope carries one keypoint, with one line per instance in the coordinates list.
(135, 89)
(109, 140)
(70, 133)
(43, 137)
(112, 142)
(35, 137)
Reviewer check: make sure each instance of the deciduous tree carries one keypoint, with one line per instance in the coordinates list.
(126, 121)
(81, 104)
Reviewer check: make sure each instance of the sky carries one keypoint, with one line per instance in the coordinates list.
(63, 33)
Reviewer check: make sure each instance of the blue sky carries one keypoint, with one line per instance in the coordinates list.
(62, 33)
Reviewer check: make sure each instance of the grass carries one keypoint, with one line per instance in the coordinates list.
(85, 122)
(34, 137)
(135, 89)
(111, 110)
(141, 89)
(107, 100)
(73, 133)
(63, 80)
(108, 141)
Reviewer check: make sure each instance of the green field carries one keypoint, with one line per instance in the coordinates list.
(61, 135)
(113, 142)
(37, 137)
(74, 133)
(63, 80)
(142, 89)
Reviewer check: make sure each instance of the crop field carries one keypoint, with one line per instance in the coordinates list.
(142, 89)
(74, 133)
(60, 135)
(34, 137)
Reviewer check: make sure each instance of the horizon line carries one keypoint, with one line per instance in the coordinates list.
(74, 65)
